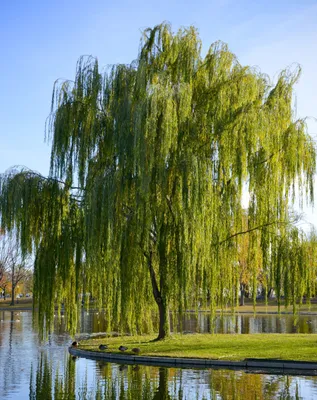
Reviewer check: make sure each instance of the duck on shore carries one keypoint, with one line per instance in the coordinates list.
(103, 347)
(123, 348)
(75, 344)
(136, 350)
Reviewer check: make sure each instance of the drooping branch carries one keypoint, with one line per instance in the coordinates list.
(256, 228)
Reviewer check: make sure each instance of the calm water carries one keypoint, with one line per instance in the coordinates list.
(238, 323)
(248, 323)
(30, 370)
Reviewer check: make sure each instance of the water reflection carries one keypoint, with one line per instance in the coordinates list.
(112, 381)
(33, 370)
(245, 323)
(45, 386)
(202, 322)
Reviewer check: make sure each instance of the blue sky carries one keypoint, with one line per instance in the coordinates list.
(41, 41)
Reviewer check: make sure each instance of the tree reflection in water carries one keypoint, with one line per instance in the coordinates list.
(112, 381)
(235, 385)
(47, 384)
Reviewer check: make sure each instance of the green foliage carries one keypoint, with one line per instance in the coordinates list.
(160, 151)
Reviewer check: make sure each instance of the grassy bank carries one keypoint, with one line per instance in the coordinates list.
(20, 304)
(223, 347)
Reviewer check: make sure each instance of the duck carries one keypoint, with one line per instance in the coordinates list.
(123, 348)
(75, 344)
(136, 350)
(103, 347)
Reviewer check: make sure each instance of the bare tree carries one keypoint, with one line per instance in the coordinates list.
(28, 281)
(13, 267)
(4, 263)
(4, 278)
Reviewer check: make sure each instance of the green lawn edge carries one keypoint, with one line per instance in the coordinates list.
(231, 347)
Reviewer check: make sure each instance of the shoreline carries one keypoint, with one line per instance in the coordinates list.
(14, 308)
(218, 312)
(264, 365)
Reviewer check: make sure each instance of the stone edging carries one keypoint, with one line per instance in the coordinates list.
(197, 362)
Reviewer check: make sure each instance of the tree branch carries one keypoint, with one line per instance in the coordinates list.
(47, 178)
(251, 230)
(169, 203)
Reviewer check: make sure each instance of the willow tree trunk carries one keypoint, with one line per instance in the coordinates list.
(164, 326)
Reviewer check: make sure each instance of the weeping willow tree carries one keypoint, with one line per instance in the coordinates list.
(149, 162)
(294, 266)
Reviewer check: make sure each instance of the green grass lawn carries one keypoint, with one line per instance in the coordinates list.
(301, 347)
(19, 304)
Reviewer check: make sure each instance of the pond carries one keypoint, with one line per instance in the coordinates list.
(226, 323)
(33, 370)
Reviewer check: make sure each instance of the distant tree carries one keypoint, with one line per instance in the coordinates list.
(14, 268)
(4, 264)
(148, 165)
(28, 281)
(18, 273)
(4, 279)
